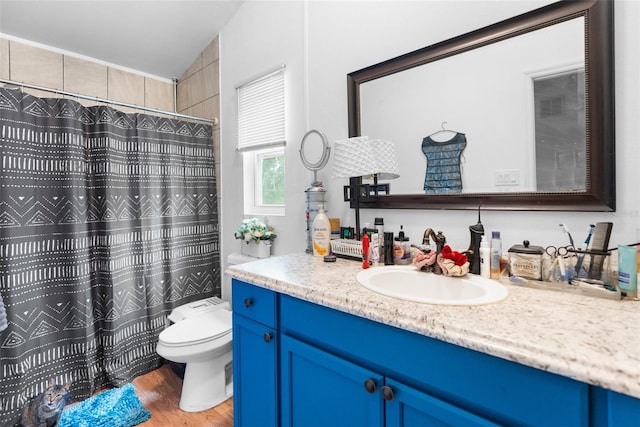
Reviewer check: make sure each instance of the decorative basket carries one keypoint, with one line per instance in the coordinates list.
(347, 248)
(260, 249)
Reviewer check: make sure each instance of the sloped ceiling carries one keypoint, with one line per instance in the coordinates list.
(161, 38)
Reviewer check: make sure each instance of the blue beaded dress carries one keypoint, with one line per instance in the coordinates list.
(443, 164)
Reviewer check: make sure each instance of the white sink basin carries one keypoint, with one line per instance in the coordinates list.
(410, 284)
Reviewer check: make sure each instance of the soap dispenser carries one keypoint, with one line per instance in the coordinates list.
(401, 249)
(473, 253)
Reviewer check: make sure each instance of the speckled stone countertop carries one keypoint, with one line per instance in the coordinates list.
(592, 340)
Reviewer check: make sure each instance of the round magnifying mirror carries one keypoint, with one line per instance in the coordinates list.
(314, 150)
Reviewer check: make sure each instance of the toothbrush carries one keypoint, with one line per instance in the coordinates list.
(588, 239)
(586, 248)
(566, 230)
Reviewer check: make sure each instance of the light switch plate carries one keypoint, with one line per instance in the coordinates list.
(507, 177)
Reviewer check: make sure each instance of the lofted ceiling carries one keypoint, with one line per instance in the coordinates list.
(161, 37)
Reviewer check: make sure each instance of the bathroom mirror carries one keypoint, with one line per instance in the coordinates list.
(533, 96)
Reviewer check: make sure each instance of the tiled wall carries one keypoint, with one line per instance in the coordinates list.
(199, 93)
(21, 62)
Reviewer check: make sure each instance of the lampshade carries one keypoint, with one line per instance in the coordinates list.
(364, 156)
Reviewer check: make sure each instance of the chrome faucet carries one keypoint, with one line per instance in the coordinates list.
(440, 240)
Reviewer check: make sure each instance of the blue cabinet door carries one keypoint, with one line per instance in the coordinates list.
(611, 409)
(407, 407)
(255, 374)
(319, 389)
(624, 411)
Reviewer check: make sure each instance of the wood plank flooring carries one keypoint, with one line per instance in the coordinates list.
(159, 392)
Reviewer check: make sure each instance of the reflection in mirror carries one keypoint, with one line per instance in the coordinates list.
(527, 106)
(560, 136)
(501, 134)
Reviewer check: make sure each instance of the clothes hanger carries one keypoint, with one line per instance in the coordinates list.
(443, 131)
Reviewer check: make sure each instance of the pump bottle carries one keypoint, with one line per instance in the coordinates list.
(401, 249)
(321, 233)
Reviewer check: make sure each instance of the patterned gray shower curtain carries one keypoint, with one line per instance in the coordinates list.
(108, 220)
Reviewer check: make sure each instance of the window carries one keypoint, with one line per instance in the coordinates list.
(264, 181)
(261, 140)
(271, 172)
(560, 130)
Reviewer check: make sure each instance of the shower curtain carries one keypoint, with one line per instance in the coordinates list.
(108, 220)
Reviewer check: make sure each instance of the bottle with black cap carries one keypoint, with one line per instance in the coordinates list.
(401, 249)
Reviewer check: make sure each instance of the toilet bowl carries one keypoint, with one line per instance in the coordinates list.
(201, 337)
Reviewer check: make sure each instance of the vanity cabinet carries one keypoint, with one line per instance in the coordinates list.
(255, 356)
(459, 382)
(323, 367)
(351, 395)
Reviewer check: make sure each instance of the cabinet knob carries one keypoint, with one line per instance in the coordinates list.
(248, 302)
(268, 336)
(370, 385)
(387, 392)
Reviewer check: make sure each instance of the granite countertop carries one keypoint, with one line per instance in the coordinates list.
(593, 340)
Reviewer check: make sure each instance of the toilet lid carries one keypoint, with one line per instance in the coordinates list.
(194, 330)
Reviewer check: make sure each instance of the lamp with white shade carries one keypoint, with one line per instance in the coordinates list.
(364, 157)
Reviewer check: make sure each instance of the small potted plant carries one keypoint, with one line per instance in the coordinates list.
(256, 238)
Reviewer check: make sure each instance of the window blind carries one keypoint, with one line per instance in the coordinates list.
(261, 112)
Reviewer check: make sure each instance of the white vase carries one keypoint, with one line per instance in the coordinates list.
(260, 249)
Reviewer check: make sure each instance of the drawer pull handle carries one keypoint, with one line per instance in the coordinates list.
(267, 337)
(387, 393)
(248, 302)
(370, 385)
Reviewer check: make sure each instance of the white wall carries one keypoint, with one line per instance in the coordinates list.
(322, 41)
(262, 36)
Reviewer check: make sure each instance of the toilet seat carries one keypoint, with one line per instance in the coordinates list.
(209, 326)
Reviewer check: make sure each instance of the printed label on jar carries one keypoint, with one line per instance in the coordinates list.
(398, 252)
(526, 266)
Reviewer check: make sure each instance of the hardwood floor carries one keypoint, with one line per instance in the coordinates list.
(159, 392)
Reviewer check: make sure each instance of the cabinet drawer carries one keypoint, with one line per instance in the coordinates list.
(256, 303)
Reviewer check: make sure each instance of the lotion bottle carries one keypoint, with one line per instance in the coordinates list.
(628, 270)
(321, 233)
(485, 259)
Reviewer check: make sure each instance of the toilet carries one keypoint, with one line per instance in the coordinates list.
(200, 336)
(233, 259)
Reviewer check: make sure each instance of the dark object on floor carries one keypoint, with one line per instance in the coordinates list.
(46, 407)
(178, 369)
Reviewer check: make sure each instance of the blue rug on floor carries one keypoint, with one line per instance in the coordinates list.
(118, 407)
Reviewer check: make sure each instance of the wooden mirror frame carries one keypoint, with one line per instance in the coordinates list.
(600, 121)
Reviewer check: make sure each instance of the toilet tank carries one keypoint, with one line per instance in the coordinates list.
(196, 308)
(233, 259)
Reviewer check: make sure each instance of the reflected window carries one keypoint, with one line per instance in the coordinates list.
(560, 123)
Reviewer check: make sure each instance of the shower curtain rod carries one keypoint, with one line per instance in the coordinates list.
(107, 101)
